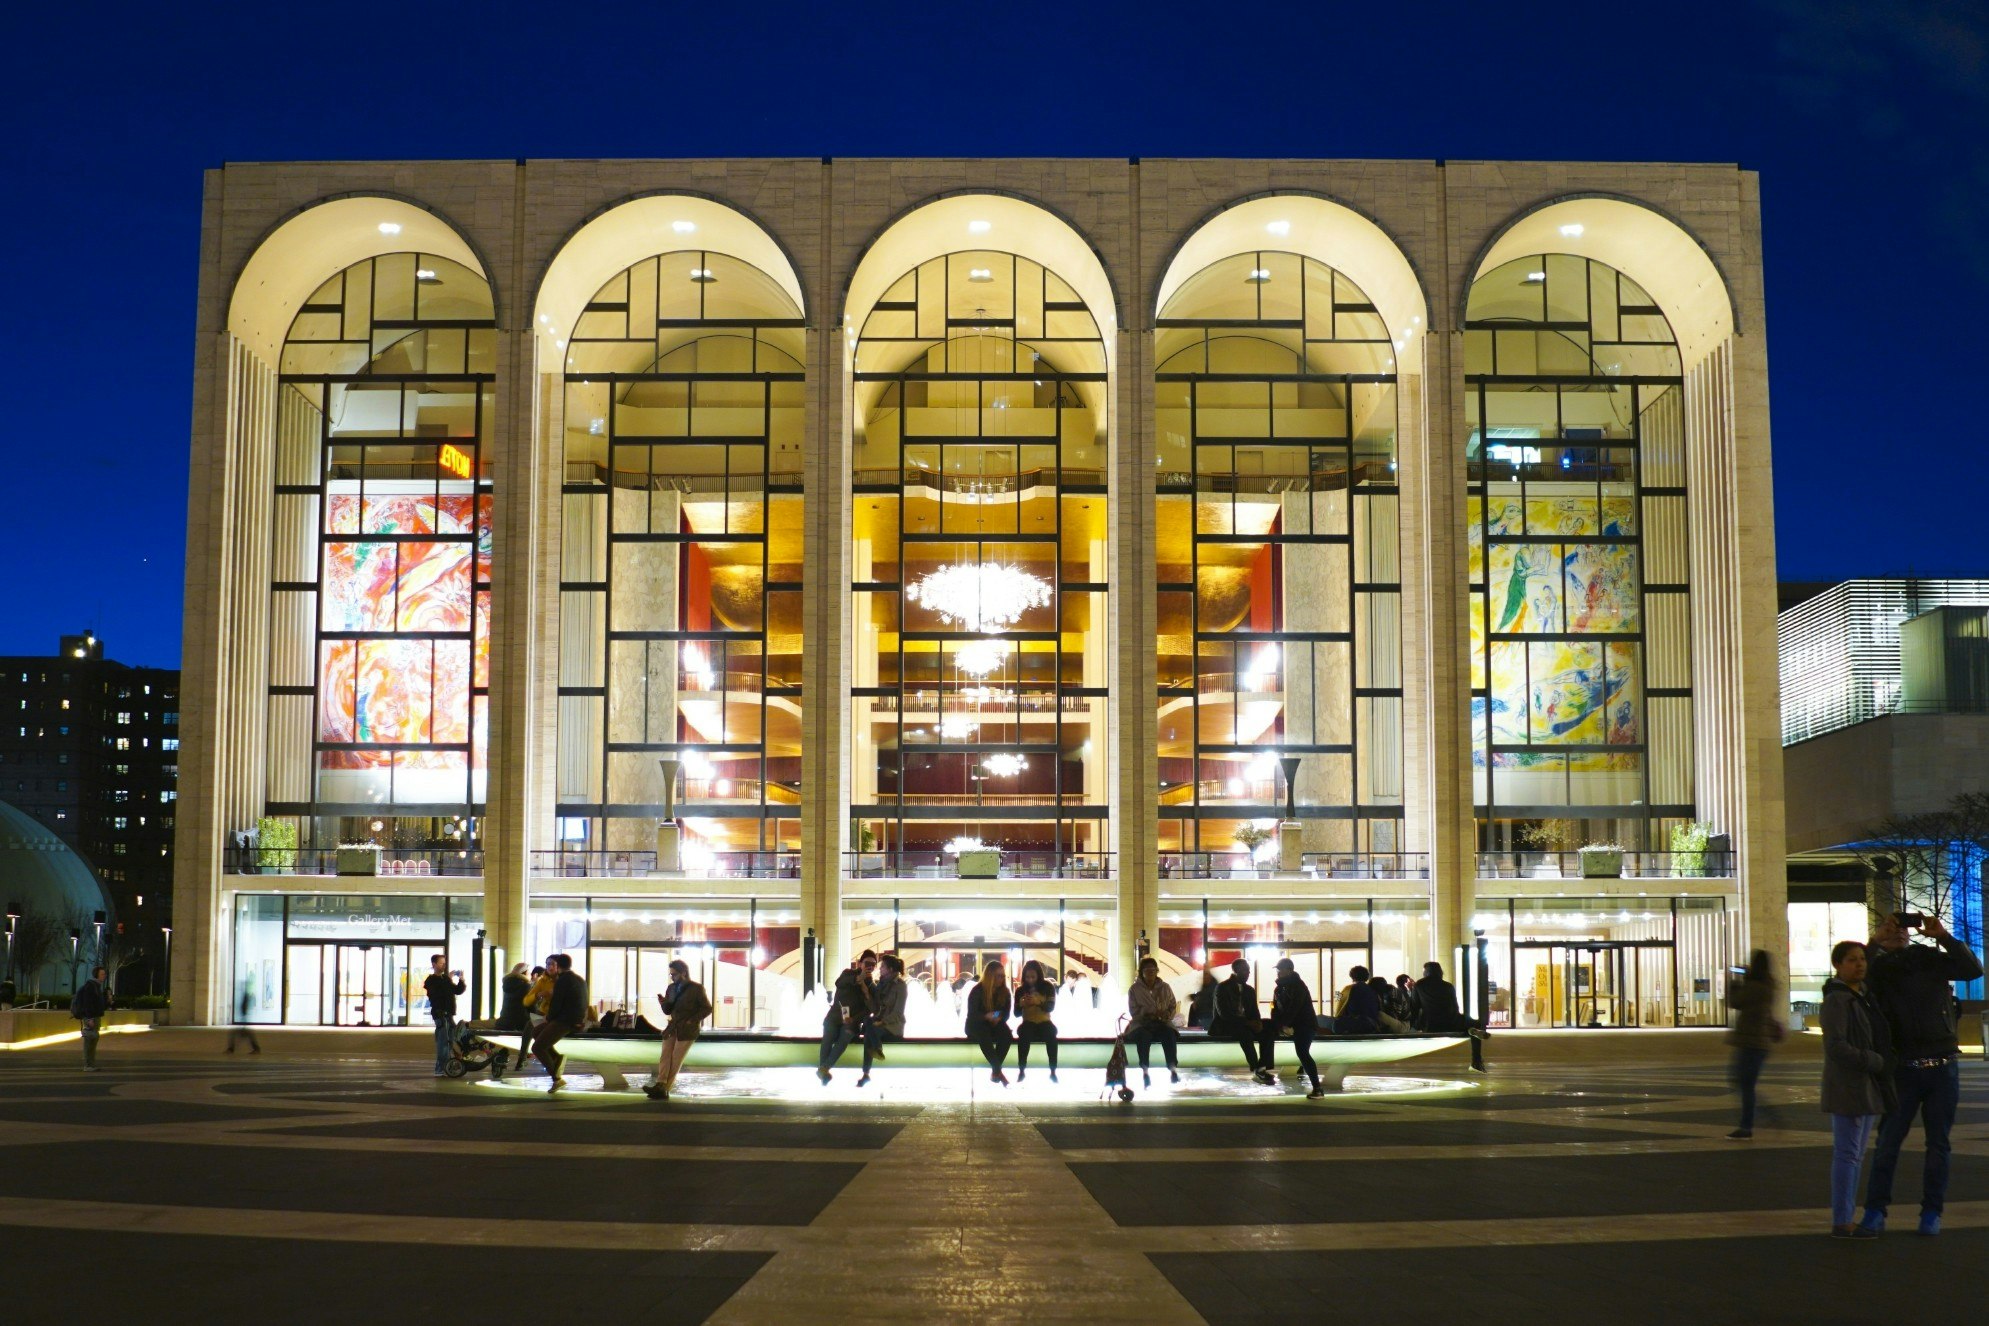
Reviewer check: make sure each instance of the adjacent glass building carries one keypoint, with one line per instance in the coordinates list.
(754, 562)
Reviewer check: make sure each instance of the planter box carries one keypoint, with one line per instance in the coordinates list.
(358, 860)
(1601, 864)
(982, 864)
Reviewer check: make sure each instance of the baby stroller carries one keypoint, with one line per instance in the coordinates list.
(1115, 1065)
(471, 1051)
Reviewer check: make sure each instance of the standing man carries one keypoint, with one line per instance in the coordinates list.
(566, 1013)
(1911, 983)
(442, 987)
(849, 1011)
(88, 1006)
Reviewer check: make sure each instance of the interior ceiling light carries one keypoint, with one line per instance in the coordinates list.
(1573, 230)
(982, 597)
(977, 658)
(702, 275)
(1279, 227)
(979, 227)
(390, 227)
(1536, 277)
(1005, 765)
(980, 274)
(683, 227)
(1258, 275)
(427, 276)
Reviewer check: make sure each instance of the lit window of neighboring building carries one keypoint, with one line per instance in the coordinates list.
(169, 743)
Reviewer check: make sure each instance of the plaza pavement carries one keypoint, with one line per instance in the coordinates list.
(331, 1179)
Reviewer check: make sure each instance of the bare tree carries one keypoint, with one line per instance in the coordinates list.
(116, 952)
(1925, 859)
(38, 940)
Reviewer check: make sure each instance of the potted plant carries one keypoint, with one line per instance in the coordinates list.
(1688, 849)
(869, 861)
(276, 845)
(1601, 860)
(1251, 837)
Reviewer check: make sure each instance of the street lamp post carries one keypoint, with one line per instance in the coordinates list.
(13, 915)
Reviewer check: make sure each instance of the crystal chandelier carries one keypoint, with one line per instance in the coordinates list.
(977, 658)
(981, 597)
(957, 727)
(1005, 765)
(955, 846)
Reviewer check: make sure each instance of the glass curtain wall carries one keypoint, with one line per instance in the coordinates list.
(1279, 588)
(380, 566)
(1580, 651)
(680, 563)
(978, 568)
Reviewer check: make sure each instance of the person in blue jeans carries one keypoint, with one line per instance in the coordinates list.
(442, 987)
(1856, 1077)
(1912, 985)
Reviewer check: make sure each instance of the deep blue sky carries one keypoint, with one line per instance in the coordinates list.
(1868, 126)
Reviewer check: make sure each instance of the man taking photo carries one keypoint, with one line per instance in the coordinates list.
(1912, 984)
(442, 988)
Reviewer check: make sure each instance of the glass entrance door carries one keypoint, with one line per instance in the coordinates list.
(369, 985)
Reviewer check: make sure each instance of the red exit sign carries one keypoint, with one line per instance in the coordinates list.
(455, 460)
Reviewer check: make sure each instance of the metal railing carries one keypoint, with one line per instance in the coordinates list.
(1312, 865)
(1015, 864)
(392, 862)
(595, 863)
(1636, 865)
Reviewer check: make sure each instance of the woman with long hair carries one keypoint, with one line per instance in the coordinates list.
(1857, 1079)
(1035, 1000)
(686, 1006)
(988, 1008)
(1751, 996)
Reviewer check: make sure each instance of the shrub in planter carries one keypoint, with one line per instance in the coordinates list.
(1601, 861)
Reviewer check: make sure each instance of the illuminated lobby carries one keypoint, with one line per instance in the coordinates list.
(758, 561)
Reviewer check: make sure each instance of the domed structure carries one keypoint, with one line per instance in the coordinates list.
(41, 873)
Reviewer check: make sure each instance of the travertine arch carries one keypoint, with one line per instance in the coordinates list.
(1318, 228)
(617, 238)
(1647, 246)
(999, 222)
(322, 240)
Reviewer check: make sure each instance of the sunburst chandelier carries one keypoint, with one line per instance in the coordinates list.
(1005, 765)
(957, 727)
(977, 658)
(981, 596)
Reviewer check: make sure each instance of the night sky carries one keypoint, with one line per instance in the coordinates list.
(1868, 125)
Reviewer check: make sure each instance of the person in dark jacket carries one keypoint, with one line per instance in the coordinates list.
(849, 1012)
(1856, 1080)
(511, 1015)
(1436, 1003)
(566, 1013)
(1358, 1011)
(244, 1009)
(1150, 1010)
(988, 1008)
(1035, 1001)
(1751, 996)
(89, 1004)
(1293, 1015)
(1236, 1018)
(686, 1005)
(887, 1011)
(442, 987)
(1912, 985)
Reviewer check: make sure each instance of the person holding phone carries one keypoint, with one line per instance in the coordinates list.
(442, 987)
(988, 1007)
(1913, 986)
(685, 1005)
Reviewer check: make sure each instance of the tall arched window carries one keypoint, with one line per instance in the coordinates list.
(1580, 650)
(978, 566)
(1278, 595)
(380, 564)
(680, 564)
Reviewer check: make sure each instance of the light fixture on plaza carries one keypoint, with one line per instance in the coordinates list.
(977, 658)
(683, 227)
(1573, 230)
(980, 597)
(390, 227)
(1005, 765)
(702, 275)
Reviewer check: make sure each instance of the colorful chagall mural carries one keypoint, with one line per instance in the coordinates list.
(1548, 693)
(405, 691)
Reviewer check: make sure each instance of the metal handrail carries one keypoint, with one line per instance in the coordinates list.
(1636, 865)
(1021, 863)
(601, 863)
(394, 862)
(1312, 865)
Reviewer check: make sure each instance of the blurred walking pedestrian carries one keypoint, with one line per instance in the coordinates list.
(241, 1027)
(1755, 1030)
(88, 1006)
